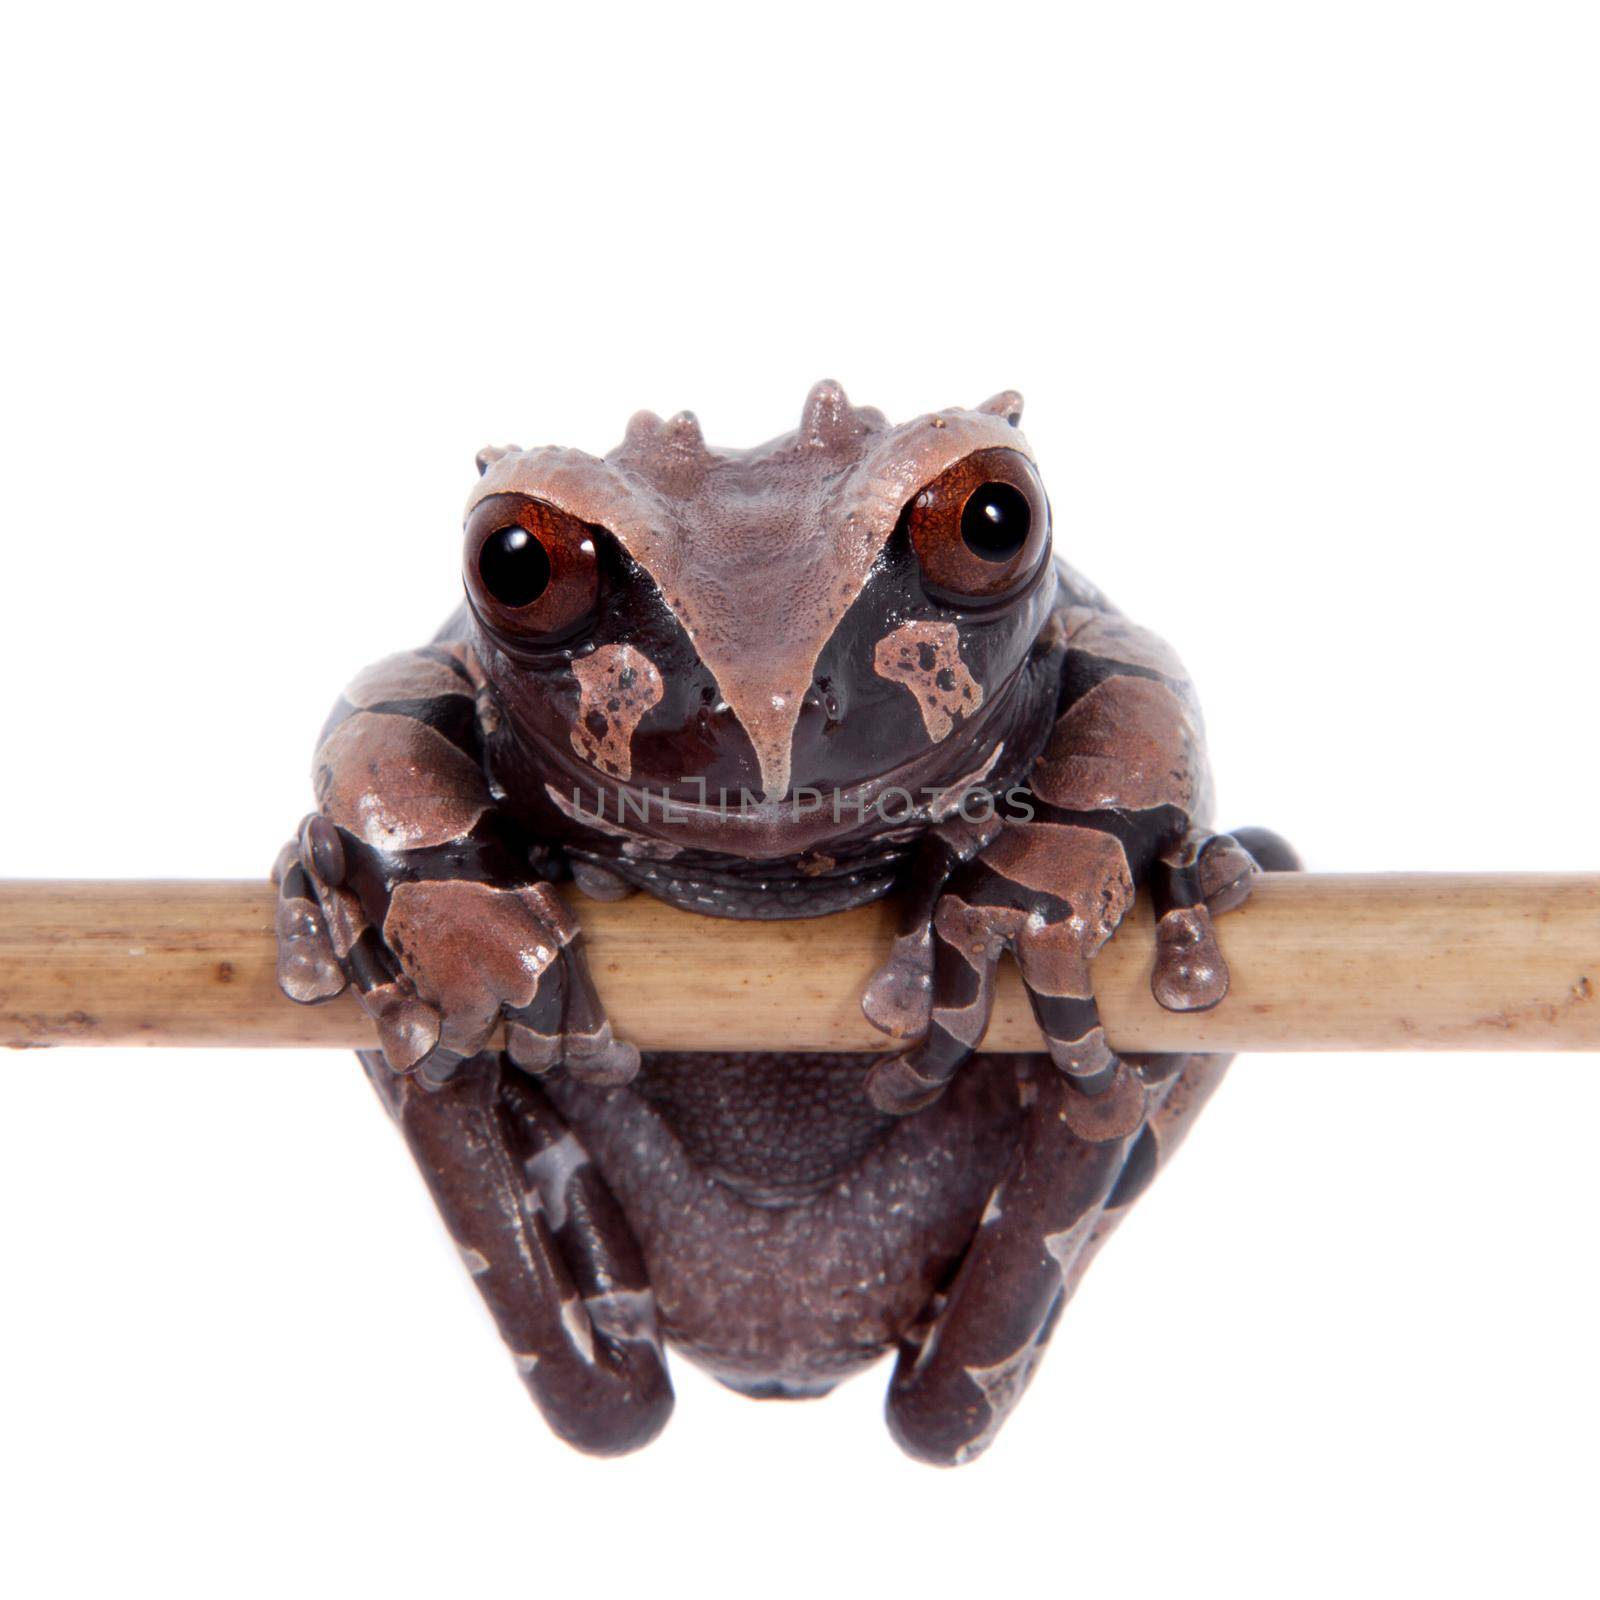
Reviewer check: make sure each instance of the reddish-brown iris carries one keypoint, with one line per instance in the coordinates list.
(531, 569)
(981, 528)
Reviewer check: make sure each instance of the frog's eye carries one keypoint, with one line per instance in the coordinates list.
(531, 569)
(981, 528)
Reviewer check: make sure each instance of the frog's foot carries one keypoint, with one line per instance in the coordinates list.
(547, 1246)
(453, 956)
(1201, 877)
(1050, 894)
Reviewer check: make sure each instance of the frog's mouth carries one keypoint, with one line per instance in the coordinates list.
(988, 755)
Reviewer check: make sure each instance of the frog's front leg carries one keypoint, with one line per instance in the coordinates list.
(408, 882)
(1117, 798)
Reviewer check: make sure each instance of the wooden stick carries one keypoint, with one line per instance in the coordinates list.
(1318, 963)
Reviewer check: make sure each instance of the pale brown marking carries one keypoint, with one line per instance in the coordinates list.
(980, 934)
(1083, 866)
(1002, 1385)
(1054, 961)
(1114, 1113)
(1128, 744)
(406, 676)
(899, 996)
(408, 1027)
(926, 658)
(1084, 1057)
(471, 948)
(617, 685)
(396, 783)
(1066, 1245)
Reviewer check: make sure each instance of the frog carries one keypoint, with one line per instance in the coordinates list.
(770, 683)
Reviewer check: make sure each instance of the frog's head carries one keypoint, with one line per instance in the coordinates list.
(845, 608)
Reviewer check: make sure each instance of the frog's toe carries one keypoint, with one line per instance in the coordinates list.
(899, 1086)
(590, 1050)
(308, 970)
(322, 849)
(898, 999)
(1270, 851)
(566, 1026)
(597, 1057)
(1190, 974)
(600, 1058)
(409, 1028)
(1224, 872)
(967, 945)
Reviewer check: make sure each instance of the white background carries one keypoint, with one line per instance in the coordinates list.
(1303, 300)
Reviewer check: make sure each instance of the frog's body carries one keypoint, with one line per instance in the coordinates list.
(826, 1225)
(769, 683)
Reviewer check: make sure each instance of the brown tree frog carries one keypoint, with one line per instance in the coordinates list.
(770, 683)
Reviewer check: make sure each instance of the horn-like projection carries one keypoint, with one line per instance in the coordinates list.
(1007, 404)
(492, 453)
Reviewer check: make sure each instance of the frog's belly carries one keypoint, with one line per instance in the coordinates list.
(791, 1232)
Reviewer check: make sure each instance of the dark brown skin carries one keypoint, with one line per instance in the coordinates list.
(770, 683)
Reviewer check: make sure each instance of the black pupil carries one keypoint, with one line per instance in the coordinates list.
(514, 567)
(995, 521)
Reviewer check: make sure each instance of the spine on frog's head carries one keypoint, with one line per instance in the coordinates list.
(653, 446)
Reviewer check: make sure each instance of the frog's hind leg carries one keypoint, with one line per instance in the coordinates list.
(546, 1244)
(961, 1371)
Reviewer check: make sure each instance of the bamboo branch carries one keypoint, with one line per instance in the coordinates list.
(1403, 962)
